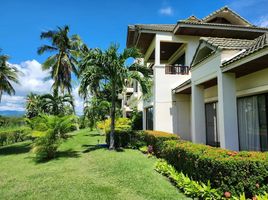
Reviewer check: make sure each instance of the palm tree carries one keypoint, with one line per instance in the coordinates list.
(8, 75)
(99, 68)
(63, 63)
(56, 104)
(33, 105)
(95, 110)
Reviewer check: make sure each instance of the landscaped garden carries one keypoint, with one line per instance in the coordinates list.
(82, 169)
(44, 155)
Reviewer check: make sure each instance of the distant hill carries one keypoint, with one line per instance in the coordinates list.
(12, 113)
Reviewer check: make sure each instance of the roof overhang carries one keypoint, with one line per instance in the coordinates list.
(219, 30)
(184, 88)
(250, 64)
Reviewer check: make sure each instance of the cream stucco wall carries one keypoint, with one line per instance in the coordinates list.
(165, 106)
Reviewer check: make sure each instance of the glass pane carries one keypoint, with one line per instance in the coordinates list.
(248, 123)
(263, 122)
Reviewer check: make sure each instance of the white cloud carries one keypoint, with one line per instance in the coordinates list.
(168, 10)
(79, 102)
(263, 22)
(32, 80)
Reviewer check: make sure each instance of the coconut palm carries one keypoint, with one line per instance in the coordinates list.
(99, 68)
(8, 75)
(63, 63)
(56, 104)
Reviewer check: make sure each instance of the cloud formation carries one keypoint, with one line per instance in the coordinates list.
(167, 10)
(263, 22)
(33, 80)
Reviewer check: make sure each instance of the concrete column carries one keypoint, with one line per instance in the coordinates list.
(156, 75)
(144, 119)
(228, 128)
(198, 115)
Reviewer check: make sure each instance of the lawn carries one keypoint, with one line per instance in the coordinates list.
(82, 170)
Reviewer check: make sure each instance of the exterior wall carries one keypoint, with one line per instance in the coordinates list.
(165, 107)
(182, 118)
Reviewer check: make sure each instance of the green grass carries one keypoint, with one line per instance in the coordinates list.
(82, 170)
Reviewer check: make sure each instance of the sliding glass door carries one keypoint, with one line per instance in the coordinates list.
(252, 123)
(212, 136)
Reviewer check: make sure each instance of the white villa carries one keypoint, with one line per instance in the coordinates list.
(210, 79)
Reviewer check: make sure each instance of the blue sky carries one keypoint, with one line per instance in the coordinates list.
(99, 23)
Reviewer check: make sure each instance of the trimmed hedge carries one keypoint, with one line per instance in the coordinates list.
(13, 135)
(230, 171)
(127, 138)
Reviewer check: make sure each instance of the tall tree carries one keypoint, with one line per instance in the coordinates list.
(100, 68)
(64, 62)
(8, 75)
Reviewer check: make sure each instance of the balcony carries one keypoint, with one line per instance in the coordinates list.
(177, 69)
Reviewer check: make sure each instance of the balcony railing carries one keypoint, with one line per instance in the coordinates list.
(177, 69)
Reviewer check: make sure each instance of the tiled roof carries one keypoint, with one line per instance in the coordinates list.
(225, 8)
(228, 43)
(156, 27)
(230, 26)
(258, 44)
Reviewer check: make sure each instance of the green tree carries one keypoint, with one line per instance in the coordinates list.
(99, 68)
(8, 75)
(57, 104)
(96, 110)
(33, 105)
(64, 62)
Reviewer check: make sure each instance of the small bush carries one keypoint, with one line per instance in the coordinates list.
(49, 131)
(190, 187)
(120, 124)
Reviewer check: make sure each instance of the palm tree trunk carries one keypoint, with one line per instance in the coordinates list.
(111, 147)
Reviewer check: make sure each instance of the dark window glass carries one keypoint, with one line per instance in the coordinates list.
(149, 118)
(212, 136)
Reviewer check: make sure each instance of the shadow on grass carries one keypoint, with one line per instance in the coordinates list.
(95, 135)
(15, 149)
(90, 147)
(60, 154)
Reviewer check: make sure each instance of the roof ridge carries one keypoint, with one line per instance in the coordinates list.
(229, 9)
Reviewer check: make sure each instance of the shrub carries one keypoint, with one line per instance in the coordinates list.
(227, 170)
(190, 187)
(136, 120)
(156, 139)
(123, 138)
(120, 124)
(136, 139)
(48, 131)
(9, 135)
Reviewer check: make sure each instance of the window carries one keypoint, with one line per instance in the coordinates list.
(149, 118)
(212, 136)
(252, 123)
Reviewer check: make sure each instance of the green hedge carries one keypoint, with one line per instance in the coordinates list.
(230, 171)
(9, 135)
(128, 138)
(227, 170)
